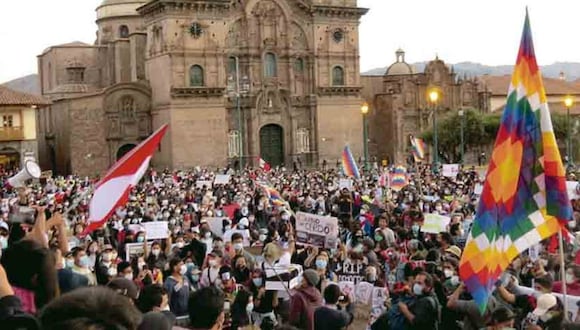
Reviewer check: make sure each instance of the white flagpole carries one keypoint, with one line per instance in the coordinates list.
(563, 274)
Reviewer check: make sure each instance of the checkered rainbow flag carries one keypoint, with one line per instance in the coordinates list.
(524, 199)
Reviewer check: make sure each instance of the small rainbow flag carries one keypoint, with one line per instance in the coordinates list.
(524, 198)
(348, 164)
(399, 178)
(418, 148)
(273, 194)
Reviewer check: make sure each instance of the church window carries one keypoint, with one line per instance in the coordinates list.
(233, 143)
(196, 76)
(299, 65)
(270, 67)
(123, 31)
(7, 121)
(302, 141)
(337, 76)
(127, 106)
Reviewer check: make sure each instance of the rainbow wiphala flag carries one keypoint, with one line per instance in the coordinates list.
(419, 148)
(348, 164)
(272, 194)
(524, 199)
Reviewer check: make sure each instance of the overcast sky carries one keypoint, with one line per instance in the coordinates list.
(457, 30)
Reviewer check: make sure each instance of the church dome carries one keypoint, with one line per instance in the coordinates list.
(119, 8)
(400, 67)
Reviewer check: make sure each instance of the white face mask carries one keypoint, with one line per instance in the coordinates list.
(572, 224)
(112, 272)
(183, 270)
(129, 276)
(569, 278)
(250, 307)
(448, 273)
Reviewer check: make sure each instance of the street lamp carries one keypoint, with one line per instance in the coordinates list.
(237, 88)
(433, 98)
(568, 102)
(364, 109)
(461, 117)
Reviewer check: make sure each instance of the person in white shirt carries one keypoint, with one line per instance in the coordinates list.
(210, 274)
(388, 233)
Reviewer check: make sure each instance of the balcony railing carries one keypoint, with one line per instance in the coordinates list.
(11, 133)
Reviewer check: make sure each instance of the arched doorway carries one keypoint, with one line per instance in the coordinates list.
(124, 149)
(272, 144)
(9, 159)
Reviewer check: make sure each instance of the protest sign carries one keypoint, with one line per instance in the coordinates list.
(216, 225)
(573, 188)
(435, 223)
(363, 292)
(221, 179)
(348, 289)
(135, 249)
(571, 301)
(478, 189)
(204, 183)
(156, 229)
(450, 170)
(350, 271)
(345, 183)
(316, 230)
(244, 232)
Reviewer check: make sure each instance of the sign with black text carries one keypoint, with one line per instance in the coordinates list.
(316, 230)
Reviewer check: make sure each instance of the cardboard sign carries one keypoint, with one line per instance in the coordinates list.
(450, 170)
(156, 229)
(222, 179)
(435, 223)
(316, 230)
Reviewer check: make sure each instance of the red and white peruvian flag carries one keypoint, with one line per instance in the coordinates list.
(264, 165)
(113, 190)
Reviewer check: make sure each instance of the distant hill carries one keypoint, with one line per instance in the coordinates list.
(571, 70)
(27, 84)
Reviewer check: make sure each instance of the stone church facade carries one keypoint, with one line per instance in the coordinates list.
(400, 108)
(234, 80)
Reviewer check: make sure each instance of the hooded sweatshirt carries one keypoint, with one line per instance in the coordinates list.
(302, 306)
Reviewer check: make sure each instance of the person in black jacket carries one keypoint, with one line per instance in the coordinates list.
(195, 250)
(337, 313)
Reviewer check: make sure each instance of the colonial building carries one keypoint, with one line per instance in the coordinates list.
(18, 112)
(233, 79)
(399, 106)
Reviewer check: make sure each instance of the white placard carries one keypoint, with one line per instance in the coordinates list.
(450, 170)
(244, 232)
(348, 288)
(345, 183)
(216, 225)
(363, 292)
(478, 189)
(534, 252)
(222, 179)
(316, 230)
(156, 229)
(201, 183)
(135, 249)
(573, 188)
(435, 223)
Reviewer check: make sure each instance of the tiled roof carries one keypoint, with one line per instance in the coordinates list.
(11, 97)
(499, 85)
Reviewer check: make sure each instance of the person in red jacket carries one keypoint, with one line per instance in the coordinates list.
(572, 281)
(305, 300)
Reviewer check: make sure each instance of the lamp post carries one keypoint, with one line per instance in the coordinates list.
(237, 88)
(364, 109)
(461, 117)
(568, 102)
(434, 97)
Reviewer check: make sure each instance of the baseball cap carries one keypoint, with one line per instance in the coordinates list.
(544, 303)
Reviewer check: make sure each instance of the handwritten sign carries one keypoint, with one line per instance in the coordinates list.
(156, 229)
(316, 230)
(135, 249)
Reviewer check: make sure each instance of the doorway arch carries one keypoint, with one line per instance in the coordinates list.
(272, 144)
(124, 149)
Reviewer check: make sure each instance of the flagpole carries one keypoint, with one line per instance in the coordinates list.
(563, 274)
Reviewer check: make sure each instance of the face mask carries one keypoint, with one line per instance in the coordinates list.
(129, 276)
(415, 228)
(372, 278)
(285, 217)
(85, 261)
(226, 276)
(244, 212)
(321, 263)
(140, 239)
(250, 307)
(448, 273)
(257, 281)
(546, 317)
(3, 242)
(207, 234)
(212, 263)
(438, 208)
(141, 265)
(69, 263)
(238, 246)
(106, 257)
(195, 278)
(363, 212)
(183, 270)
(572, 224)
(454, 280)
(262, 237)
(378, 237)
(418, 289)
(227, 228)
(569, 278)
(156, 252)
(180, 245)
(112, 272)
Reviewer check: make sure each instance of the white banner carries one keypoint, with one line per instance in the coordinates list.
(435, 223)
(316, 230)
(571, 301)
(222, 179)
(450, 170)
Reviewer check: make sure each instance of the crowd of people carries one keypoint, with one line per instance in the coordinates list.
(53, 275)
